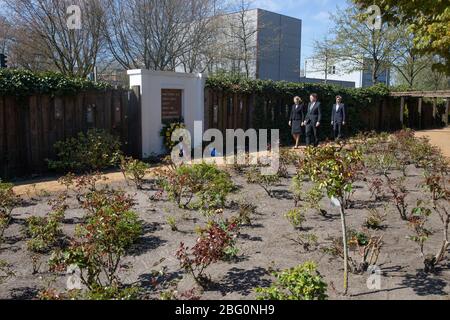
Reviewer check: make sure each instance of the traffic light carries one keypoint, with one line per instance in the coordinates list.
(3, 61)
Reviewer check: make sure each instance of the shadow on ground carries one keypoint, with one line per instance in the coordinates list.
(425, 284)
(243, 281)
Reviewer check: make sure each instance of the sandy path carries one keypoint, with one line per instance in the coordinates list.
(439, 138)
(53, 186)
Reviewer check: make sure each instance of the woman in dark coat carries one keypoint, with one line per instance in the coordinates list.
(297, 119)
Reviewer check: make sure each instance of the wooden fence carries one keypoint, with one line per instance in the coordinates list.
(231, 111)
(228, 111)
(30, 126)
(420, 109)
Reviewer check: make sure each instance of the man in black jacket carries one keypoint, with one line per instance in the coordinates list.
(312, 121)
(338, 118)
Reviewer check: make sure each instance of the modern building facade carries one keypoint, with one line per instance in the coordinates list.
(278, 47)
(346, 84)
(343, 72)
(273, 50)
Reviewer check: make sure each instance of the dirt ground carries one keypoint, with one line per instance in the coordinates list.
(439, 138)
(266, 244)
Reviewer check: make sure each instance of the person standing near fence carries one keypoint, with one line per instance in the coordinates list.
(312, 121)
(338, 117)
(296, 120)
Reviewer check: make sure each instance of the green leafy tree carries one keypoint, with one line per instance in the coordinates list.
(364, 47)
(408, 62)
(334, 170)
(325, 56)
(429, 21)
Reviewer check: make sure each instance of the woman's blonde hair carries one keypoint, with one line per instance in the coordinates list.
(297, 98)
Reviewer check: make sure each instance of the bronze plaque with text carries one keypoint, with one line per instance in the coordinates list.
(171, 100)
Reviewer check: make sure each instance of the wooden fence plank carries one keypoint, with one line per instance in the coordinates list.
(33, 150)
(3, 150)
(69, 117)
(109, 111)
(117, 115)
(44, 106)
(58, 115)
(12, 142)
(125, 120)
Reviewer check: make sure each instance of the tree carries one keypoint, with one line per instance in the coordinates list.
(5, 34)
(241, 33)
(428, 20)
(365, 47)
(436, 80)
(334, 169)
(408, 62)
(204, 48)
(25, 54)
(43, 29)
(158, 34)
(324, 56)
(427, 79)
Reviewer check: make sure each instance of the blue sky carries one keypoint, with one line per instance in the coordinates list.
(314, 13)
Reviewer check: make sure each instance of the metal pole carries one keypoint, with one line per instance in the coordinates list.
(95, 74)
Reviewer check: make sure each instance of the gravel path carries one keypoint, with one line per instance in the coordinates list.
(440, 138)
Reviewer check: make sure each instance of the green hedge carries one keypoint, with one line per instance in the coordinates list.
(279, 94)
(237, 84)
(26, 83)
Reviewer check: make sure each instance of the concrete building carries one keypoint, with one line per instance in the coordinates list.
(346, 84)
(275, 46)
(342, 72)
(279, 47)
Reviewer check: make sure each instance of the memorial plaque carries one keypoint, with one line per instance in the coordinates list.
(171, 100)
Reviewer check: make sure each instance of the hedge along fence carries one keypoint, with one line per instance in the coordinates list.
(24, 83)
(233, 102)
(38, 110)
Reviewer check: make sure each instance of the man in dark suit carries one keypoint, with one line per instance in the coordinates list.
(312, 121)
(338, 118)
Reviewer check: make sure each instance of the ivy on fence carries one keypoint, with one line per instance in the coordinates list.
(273, 100)
(26, 83)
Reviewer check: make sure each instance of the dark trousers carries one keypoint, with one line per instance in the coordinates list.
(338, 131)
(312, 135)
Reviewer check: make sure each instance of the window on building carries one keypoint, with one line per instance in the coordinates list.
(332, 70)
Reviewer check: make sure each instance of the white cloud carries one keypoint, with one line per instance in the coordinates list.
(322, 16)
